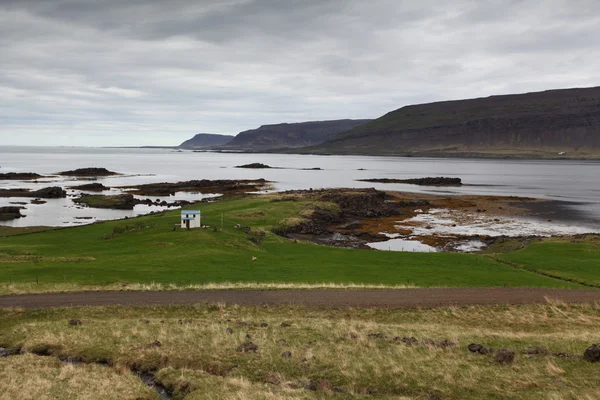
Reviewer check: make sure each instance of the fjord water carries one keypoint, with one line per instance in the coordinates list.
(574, 182)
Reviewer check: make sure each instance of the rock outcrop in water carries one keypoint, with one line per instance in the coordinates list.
(52, 192)
(91, 187)
(226, 186)
(437, 181)
(19, 176)
(9, 213)
(254, 166)
(90, 171)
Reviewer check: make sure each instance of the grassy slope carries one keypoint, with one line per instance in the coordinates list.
(578, 260)
(146, 249)
(332, 348)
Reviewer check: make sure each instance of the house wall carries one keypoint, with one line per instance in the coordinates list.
(195, 223)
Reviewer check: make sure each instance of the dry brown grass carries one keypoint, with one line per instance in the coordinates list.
(29, 288)
(351, 350)
(30, 377)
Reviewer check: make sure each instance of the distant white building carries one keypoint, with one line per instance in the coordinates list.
(190, 219)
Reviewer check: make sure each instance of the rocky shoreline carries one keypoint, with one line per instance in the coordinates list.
(420, 222)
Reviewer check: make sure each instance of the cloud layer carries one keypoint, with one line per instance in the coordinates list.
(154, 72)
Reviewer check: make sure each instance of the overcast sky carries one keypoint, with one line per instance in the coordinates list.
(156, 72)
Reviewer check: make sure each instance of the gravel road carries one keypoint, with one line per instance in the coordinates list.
(380, 298)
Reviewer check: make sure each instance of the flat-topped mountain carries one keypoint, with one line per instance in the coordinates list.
(553, 123)
(291, 135)
(205, 140)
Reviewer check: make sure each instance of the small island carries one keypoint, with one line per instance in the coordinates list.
(52, 192)
(254, 166)
(90, 171)
(9, 213)
(19, 176)
(91, 187)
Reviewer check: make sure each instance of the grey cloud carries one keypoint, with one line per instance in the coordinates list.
(156, 72)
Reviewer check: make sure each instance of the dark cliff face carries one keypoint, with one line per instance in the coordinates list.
(535, 123)
(205, 140)
(291, 135)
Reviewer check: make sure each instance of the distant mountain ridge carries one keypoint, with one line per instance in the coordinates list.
(203, 140)
(291, 135)
(539, 124)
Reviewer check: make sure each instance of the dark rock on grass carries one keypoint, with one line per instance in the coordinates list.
(474, 347)
(537, 350)
(254, 166)
(75, 322)
(409, 341)
(479, 349)
(377, 335)
(263, 324)
(565, 355)
(91, 187)
(592, 353)
(505, 356)
(446, 343)
(154, 344)
(247, 347)
(90, 171)
(286, 354)
(19, 176)
(10, 212)
(229, 331)
(286, 324)
(248, 336)
(312, 385)
(9, 352)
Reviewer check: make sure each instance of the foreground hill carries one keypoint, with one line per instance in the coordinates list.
(541, 124)
(291, 135)
(205, 140)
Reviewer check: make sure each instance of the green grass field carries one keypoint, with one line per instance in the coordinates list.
(147, 250)
(577, 259)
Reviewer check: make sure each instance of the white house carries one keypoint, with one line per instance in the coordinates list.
(190, 219)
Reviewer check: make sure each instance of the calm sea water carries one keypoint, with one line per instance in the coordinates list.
(577, 182)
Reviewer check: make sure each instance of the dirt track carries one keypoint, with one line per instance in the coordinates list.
(381, 298)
